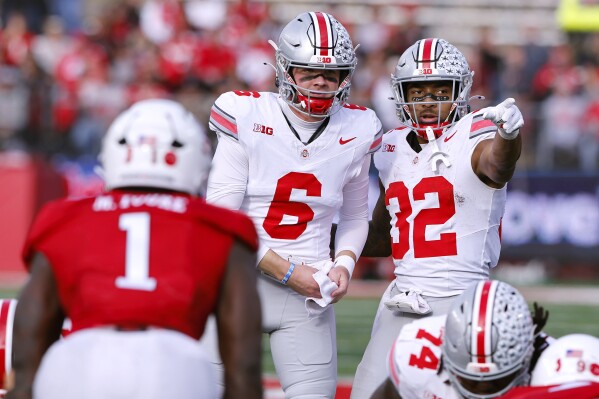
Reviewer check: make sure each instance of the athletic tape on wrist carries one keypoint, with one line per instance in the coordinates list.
(346, 261)
(286, 278)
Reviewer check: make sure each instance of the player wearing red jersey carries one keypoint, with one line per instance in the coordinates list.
(443, 177)
(137, 270)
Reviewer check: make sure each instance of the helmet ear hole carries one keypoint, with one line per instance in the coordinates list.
(122, 141)
(176, 144)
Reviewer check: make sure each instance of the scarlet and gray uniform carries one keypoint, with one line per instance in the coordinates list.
(292, 191)
(414, 361)
(445, 229)
(134, 261)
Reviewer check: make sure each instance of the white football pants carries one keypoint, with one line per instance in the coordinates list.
(102, 363)
(372, 370)
(304, 350)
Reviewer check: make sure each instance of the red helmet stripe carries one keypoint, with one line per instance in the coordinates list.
(323, 33)
(426, 53)
(481, 321)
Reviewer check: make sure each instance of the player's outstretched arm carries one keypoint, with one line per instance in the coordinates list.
(378, 242)
(494, 161)
(37, 324)
(239, 323)
(386, 391)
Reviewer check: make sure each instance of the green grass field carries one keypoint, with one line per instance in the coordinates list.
(355, 317)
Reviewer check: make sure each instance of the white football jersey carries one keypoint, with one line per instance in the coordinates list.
(294, 190)
(415, 360)
(445, 225)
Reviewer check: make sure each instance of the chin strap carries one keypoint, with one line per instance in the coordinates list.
(438, 155)
(316, 106)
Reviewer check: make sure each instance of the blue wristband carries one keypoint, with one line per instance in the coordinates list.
(286, 278)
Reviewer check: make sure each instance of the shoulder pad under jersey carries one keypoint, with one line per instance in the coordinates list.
(228, 107)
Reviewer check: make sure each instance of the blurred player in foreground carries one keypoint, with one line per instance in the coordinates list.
(138, 269)
(481, 349)
(443, 177)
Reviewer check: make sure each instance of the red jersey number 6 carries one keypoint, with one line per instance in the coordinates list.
(281, 205)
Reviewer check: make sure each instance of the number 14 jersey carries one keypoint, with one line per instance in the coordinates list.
(445, 224)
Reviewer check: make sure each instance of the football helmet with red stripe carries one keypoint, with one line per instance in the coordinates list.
(426, 61)
(314, 40)
(156, 143)
(573, 357)
(488, 340)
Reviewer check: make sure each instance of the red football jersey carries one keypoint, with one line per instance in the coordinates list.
(569, 390)
(129, 258)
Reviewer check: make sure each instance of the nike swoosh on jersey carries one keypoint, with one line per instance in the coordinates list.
(341, 141)
(449, 137)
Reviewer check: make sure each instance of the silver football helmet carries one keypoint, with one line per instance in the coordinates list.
(432, 60)
(573, 357)
(156, 143)
(314, 40)
(488, 341)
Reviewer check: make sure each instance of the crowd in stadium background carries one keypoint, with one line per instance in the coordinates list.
(62, 80)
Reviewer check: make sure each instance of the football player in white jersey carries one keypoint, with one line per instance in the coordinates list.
(292, 160)
(443, 176)
(480, 350)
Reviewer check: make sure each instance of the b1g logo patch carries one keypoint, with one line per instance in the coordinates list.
(389, 148)
(263, 129)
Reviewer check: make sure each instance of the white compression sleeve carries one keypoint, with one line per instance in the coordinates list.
(228, 177)
(352, 228)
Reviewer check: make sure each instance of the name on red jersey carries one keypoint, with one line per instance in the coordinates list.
(165, 202)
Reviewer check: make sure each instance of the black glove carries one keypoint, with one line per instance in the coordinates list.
(539, 317)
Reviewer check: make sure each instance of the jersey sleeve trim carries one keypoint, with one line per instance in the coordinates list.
(223, 122)
(481, 126)
(377, 142)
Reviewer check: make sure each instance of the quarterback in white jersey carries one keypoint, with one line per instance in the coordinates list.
(443, 177)
(480, 350)
(292, 161)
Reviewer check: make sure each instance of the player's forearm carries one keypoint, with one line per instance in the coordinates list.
(378, 242)
(239, 323)
(273, 265)
(503, 156)
(37, 324)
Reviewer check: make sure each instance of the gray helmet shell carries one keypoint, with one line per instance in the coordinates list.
(428, 60)
(488, 336)
(314, 40)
